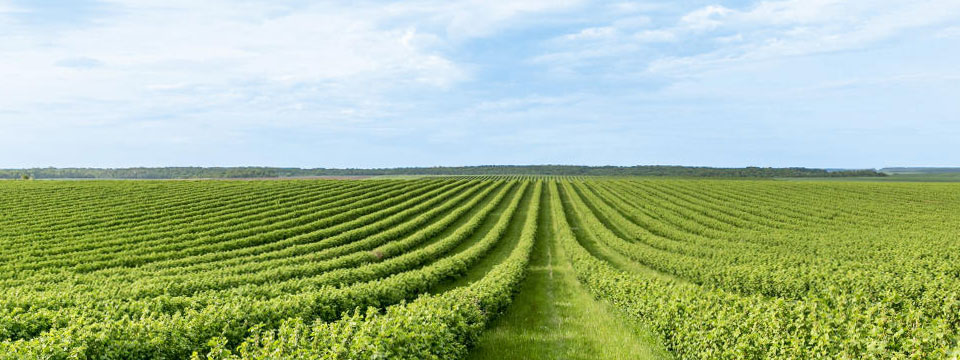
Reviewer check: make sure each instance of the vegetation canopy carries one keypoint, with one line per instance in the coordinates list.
(423, 269)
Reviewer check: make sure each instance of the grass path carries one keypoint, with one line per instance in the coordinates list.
(500, 251)
(553, 317)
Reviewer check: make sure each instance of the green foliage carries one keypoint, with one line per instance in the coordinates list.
(432, 327)
(740, 291)
(341, 269)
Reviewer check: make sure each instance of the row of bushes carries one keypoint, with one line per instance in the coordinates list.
(431, 327)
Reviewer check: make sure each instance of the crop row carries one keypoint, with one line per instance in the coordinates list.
(720, 298)
(173, 325)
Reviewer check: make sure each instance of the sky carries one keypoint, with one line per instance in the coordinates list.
(814, 83)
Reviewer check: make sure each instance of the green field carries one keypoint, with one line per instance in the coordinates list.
(479, 268)
(900, 177)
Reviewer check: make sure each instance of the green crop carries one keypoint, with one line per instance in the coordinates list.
(332, 269)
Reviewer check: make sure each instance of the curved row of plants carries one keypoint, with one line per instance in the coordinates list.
(173, 326)
(736, 305)
(441, 326)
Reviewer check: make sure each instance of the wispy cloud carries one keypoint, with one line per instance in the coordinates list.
(705, 18)
(79, 62)
(593, 33)
(799, 27)
(655, 36)
(429, 82)
(950, 32)
(716, 35)
(7, 7)
(213, 54)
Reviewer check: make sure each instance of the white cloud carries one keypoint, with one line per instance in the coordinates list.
(730, 39)
(222, 74)
(774, 29)
(632, 22)
(79, 62)
(592, 34)
(803, 11)
(717, 36)
(630, 7)
(524, 103)
(655, 36)
(183, 43)
(7, 11)
(147, 55)
(389, 76)
(950, 32)
(467, 19)
(916, 79)
(7, 7)
(218, 44)
(705, 18)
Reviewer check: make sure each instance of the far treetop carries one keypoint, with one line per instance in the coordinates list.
(570, 170)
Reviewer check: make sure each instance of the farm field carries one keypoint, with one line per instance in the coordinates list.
(479, 268)
(901, 177)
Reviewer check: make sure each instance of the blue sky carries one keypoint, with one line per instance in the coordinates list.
(816, 83)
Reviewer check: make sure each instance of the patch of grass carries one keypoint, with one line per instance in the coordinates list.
(500, 251)
(554, 317)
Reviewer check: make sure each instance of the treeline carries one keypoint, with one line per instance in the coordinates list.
(141, 173)
(920, 170)
(568, 170)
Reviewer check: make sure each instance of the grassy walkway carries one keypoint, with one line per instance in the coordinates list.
(500, 251)
(553, 317)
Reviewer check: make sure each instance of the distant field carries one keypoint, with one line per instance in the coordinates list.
(482, 268)
(900, 177)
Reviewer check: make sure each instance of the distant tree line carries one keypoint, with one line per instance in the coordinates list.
(920, 170)
(273, 172)
(140, 173)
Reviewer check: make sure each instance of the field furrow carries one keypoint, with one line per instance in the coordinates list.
(479, 267)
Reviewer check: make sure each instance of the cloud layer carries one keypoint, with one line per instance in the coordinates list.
(778, 83)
